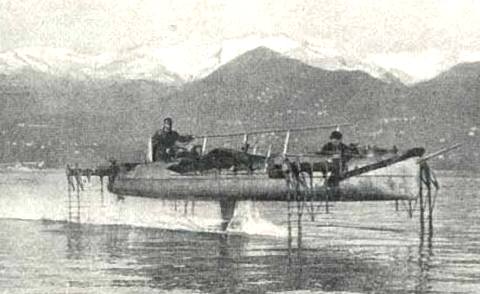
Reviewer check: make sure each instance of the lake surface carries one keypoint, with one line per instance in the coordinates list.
(147, 246)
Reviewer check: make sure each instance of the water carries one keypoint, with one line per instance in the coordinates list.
(145, 246)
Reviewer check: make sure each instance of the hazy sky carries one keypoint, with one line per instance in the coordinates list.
(360, 27)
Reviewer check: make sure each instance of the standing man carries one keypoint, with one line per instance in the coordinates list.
(163, 142)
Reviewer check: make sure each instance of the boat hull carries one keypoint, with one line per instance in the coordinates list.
(395, 182)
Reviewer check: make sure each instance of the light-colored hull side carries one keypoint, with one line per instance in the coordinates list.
(396, 182)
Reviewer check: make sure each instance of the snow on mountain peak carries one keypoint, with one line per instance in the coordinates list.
(190, 60)
(421, 66)
(322, 54)
(52, 60)
(65, 62)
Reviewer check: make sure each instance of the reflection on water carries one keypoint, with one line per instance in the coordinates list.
(215, 262)
(356, 248)
(117, 258)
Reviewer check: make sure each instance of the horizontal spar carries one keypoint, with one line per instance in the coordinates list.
(274, 131)
(438, 153)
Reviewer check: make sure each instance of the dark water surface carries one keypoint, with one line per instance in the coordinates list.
(356, 248)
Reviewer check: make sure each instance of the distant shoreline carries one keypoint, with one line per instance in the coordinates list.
(457, 173)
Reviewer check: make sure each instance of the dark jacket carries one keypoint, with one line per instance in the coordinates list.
(163, 144)
(346, 152)
(332, 149)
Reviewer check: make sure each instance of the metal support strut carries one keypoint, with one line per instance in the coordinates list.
(428, 181)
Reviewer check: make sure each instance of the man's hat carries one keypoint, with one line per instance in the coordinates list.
(168, 119)
(336, 135)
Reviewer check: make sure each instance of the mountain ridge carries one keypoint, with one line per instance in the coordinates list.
(259, 89)
(181, 63)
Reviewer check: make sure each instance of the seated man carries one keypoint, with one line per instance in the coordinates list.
(164, 140)
(335, 146)
(338, 149)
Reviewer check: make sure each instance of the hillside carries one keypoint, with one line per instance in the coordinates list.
(263, 89)
(115, 114)
(449, 108)
(257, 90)
(272, 91)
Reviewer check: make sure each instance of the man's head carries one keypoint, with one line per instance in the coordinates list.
(336, 137)
(167, 124)
(245, 147)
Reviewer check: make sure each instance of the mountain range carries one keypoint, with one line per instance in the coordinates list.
(258, 89)
(263, 88)
(182, 63)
